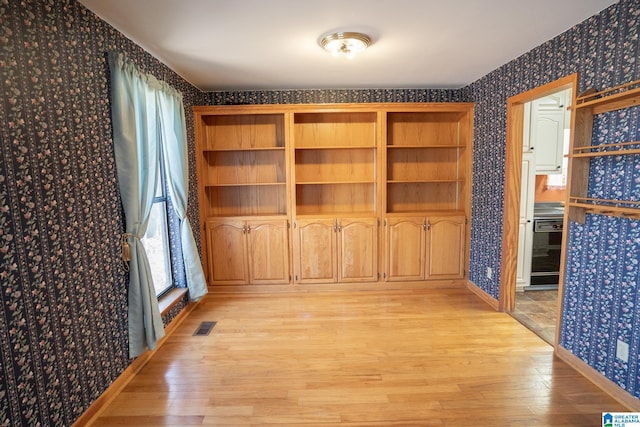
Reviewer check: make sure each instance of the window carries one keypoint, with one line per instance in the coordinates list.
(156, 238)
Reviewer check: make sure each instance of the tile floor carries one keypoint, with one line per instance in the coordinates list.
(537, 310)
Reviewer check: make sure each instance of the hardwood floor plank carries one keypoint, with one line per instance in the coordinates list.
(436, 357)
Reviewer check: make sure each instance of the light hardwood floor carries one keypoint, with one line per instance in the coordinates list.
(438, 357)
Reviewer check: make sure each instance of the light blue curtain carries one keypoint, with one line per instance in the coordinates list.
(137, 151)
(174, 140)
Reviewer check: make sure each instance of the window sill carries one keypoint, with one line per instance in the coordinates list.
(169, 299)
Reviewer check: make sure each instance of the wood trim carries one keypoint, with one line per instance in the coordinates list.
(337, 286)
(403, 107)
(606, 385)
(483, 295)
(512, 188)
(99, 405)
(512, 185)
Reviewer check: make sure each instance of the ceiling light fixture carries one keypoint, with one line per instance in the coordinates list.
(346, 44)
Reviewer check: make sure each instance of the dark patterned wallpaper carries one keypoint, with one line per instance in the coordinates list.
(601, 303)
(63, 320)
(318, 96)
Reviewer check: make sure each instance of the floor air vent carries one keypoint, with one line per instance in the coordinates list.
(204, 329)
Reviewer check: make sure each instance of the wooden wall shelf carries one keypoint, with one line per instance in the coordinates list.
(582, 151)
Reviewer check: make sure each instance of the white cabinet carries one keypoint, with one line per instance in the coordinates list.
(548, 120)
(525, 227)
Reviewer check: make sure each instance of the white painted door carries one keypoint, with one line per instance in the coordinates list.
(525, 229)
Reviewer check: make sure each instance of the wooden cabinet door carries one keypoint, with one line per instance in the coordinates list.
(358, 250)
(547, 132)
(405, 248)
(226, 252)
(268, 251)
(315, 254)
(445, 247)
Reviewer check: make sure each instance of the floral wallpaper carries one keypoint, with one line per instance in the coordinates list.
(63, 293)
(601, 302)
(318, 96)
(63, 318)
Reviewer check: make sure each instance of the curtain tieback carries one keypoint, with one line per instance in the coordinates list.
(125, 249)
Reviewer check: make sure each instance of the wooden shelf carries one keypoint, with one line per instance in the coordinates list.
(426, 166)
(223, 150)
(424, 181)
(333, 198)
(329, 182)
(615, 98)
(616, 149)
(241, 184)
(239, 200)
(333, 147)
(588, 105)
(620, 208)
(241, 131)
(423, 147)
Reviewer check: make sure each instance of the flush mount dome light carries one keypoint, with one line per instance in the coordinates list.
(346, 44)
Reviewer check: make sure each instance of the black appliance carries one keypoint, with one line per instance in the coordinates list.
(547, 246)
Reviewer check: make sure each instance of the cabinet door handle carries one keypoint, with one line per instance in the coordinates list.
(244, 229)
(427, 226)
(248, 229)
(335, 226)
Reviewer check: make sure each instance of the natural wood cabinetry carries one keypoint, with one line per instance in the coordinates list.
(445, 247)
(425, 248)
(427, 160)
(335, 162)
(405, 242)
(336, 250)
(427, 192)
(333, 172)
(242, 175)
(248, 251)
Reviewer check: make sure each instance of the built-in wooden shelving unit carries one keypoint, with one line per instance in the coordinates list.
(303, 194)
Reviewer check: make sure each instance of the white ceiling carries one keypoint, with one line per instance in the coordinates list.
(273, 44)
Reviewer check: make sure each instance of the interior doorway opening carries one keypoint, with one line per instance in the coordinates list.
(519, 204)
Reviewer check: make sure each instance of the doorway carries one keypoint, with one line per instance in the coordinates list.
(515, 224)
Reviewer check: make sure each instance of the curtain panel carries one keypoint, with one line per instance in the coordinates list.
(174, 143)
(147, 116)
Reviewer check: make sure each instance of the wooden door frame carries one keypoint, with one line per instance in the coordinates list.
(513, 185)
